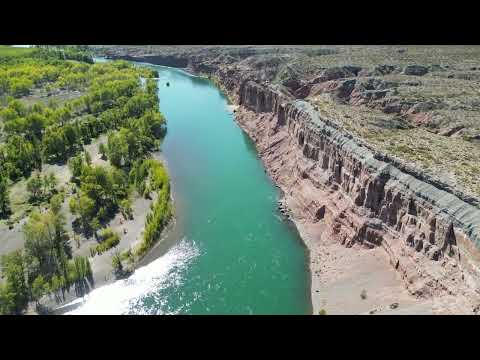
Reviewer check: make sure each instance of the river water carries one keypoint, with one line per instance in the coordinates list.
(233, 253)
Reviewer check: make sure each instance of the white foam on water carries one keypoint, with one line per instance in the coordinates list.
(119, 297)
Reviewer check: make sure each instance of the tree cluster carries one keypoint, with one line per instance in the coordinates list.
(102, 189)
(150, 175)
(45, 265)
(41, 188)
(114, 97)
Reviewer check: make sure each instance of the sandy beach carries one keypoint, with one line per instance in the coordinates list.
(355, 280)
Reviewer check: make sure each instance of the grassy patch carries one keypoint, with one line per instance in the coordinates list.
(108, 239)
(19, 201)
(9, 51)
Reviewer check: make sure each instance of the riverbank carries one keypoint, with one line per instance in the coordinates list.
(423, 230)
(104, 275)
(246, 259)
(341, 280)
(129, 230)
(87, 206)
(131, 235)
(340, 276)
(352, 272)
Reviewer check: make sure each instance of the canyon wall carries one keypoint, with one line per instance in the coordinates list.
(430, 232)
(431, 235)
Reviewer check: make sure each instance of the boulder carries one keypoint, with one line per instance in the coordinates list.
(292, 84)
(345, 88)
(417, 70)
(384, 69)
(412, 83)
(437, 67)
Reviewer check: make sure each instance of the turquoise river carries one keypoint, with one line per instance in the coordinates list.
(229, 250)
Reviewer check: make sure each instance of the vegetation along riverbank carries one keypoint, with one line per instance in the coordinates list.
(81, 198)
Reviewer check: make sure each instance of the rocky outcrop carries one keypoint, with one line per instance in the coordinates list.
(371, 181)
(417, 70)
(430, 234)
(391, 195)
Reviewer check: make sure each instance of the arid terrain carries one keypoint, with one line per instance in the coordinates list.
(376, 149)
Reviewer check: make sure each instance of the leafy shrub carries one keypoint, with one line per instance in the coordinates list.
(108, 239)
(161, 210)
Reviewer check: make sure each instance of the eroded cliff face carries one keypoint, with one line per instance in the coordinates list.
(430, 235)
(348, 194)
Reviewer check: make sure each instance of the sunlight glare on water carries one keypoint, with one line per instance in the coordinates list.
(122, 296)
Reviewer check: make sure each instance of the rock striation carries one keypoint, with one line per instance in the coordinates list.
(430, 235)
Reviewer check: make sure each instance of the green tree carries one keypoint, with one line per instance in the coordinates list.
(4, 84)
(161, 209)
(35, 124)
(54, 144)
(117, 264)
(79, 271)
(39, 288)
(7, 300)
(21, 157)
(107, 186)
(35, 187)
(102, 149)
(94, 225)
(20, 86)
(84, 207)
(117, 149)
(16, 291)
(57, 282)
(108, 239)
(76, 166)
(56, 203)
(88, 158)
(4, 197)
(62, 115)
(126, 208)
(50, 183)
(46, 244)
